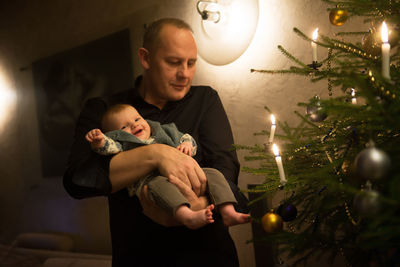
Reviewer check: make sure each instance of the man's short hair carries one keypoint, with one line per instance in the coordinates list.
(152, 33)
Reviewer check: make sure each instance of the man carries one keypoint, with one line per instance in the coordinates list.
(164, 93)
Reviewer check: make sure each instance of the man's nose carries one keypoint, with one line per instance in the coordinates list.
(183, 71)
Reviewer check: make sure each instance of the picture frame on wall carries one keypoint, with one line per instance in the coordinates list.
(65, 81)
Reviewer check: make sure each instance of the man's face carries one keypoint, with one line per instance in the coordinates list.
(172, 64)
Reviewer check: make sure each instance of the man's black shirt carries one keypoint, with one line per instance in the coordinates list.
(136, 240)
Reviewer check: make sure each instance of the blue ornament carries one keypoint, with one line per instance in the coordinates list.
(287, 211)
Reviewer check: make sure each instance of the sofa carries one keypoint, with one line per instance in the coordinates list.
(48, 250)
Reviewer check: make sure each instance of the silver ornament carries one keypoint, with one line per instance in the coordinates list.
(367, 203)
(372, 164)
(314, 110)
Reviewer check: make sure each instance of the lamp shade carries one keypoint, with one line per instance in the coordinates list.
(222, 42)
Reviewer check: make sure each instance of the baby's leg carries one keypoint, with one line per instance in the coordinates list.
(194, 219)
(230, 216)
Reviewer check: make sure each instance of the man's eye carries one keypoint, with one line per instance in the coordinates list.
(174, 62)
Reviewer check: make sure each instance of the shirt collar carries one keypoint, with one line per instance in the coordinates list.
(138, 99)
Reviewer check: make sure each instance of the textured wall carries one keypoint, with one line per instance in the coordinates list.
(30, 30)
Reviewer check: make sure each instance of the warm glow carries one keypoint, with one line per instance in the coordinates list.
(353, 92)
(315, 34)
(223, 42)
(384, 33)
(272, 119)
(353, 96)
(275, 149)
(214, 12)
(7, 100)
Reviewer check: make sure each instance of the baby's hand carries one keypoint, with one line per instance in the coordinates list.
(95, 138)
(186, 147)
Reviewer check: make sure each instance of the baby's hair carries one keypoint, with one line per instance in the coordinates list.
(115, 109)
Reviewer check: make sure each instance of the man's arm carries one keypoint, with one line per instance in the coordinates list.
(129, 166)
(89, 174)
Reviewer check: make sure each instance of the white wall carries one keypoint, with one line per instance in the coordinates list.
(30, 30)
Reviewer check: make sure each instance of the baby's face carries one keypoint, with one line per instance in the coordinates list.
(130, 121)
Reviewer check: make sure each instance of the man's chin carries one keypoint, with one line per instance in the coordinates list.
(177, 95)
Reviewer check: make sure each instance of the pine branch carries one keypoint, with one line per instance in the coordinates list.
(291, 57)
(316, 154)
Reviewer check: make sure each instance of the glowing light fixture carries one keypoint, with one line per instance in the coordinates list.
(209, 12)
(7, 100)
(224, 29)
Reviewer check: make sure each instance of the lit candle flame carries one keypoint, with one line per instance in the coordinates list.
(275, 149)
(385, 52)
(272, 119)
(315, 34)
(353, 92)
(353, 96)
(384, 33)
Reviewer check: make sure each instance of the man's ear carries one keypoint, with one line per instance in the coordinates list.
(144, 58)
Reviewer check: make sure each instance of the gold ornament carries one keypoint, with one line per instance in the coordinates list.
(346, 166)
(272, 222)
(338, 16)
(372, 41)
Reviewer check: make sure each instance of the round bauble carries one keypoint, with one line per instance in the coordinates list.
(287, 211)
(372, 41)
(381, 101)
(367, 203)
(272, 222)
(338, 16)
(315, 112)
(372, 164)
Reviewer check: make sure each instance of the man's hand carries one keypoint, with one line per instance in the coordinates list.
(129, 166)
(160, 216)
(172, 163)
(196, 202)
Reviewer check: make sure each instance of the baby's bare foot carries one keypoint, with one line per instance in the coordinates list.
(194, 219)
(231, 217)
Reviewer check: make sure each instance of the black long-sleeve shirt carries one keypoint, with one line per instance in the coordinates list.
(135, 238)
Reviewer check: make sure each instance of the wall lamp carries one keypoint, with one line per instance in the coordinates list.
(208, 10)
(224, 28)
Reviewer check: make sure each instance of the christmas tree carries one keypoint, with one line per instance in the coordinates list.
(339, 168)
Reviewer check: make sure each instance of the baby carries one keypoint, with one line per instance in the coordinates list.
(126, 129)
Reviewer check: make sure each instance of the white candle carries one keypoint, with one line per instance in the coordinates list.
(278, 160)
(353, 96)
(273, 128)
(385, 51)
(314, 45)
